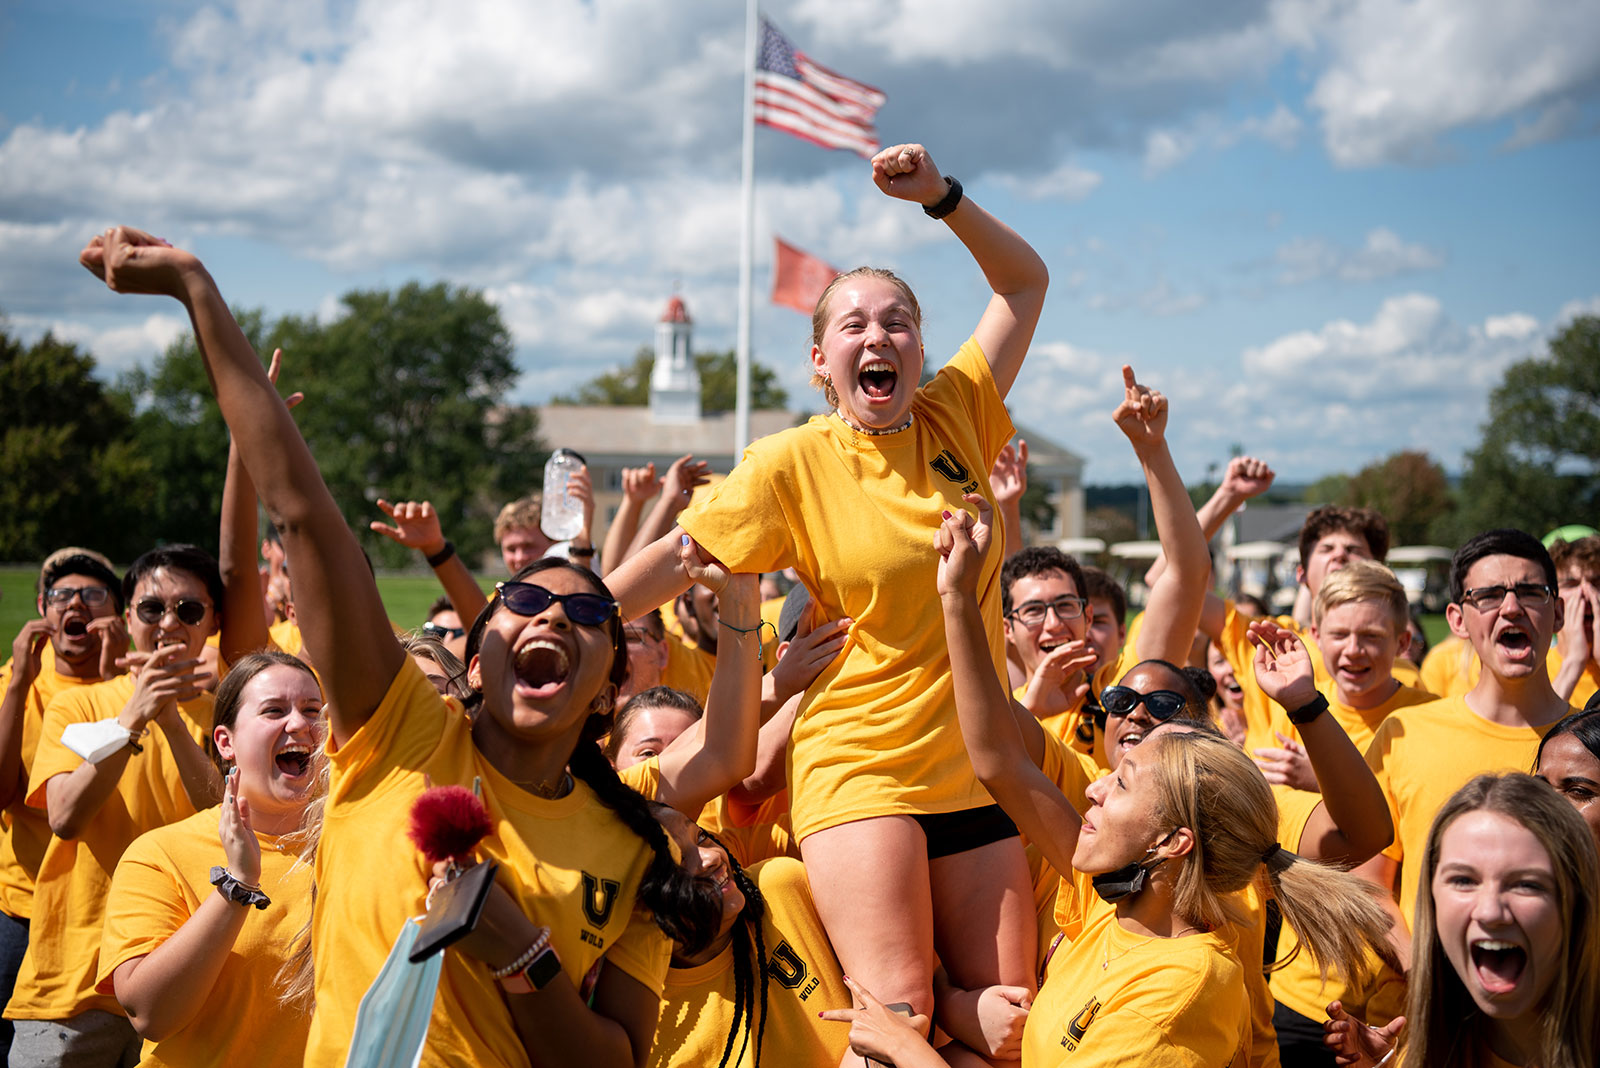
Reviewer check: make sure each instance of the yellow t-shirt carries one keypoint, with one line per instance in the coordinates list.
(1258, 707)
(570, 864)
(1297, 984)
(688, 669)
(1117, 998)
(285, 636)
(1423, 754)
(752, 833)
(24, 831)
(1072, 772)
(1451, 668)
(58, 974)
(802, 978)
(159, 884)
(855, 516)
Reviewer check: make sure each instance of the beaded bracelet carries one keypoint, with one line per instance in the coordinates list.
(526, 958)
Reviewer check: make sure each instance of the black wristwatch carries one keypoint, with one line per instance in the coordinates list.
(1308, 711)
(952, 200)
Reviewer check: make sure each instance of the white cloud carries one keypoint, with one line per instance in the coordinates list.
(1167, 147)
(1516, 325)
(115, 348)
(1068, 182)
(1382, 255)
(1402, 73)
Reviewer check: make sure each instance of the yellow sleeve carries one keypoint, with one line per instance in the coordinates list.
(745, 520)
(643, 952)
(402, 733)
(1379, 755)
(52, 758)
(644, 777)
(144, 908)
(968, 380)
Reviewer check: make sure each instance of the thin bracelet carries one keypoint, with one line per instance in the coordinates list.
(756, 630)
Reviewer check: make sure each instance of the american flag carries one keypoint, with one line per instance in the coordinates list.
(810, 101)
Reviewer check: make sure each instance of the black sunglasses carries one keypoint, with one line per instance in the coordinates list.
(1161, 704)
(444, 634)
(526, 599)
(189, 612)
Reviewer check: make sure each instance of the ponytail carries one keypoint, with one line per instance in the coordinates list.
(685, 909)
(1210, 787)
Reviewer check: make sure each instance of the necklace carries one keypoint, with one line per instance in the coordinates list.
(550, 792)
(1109, 958)
(869, 432)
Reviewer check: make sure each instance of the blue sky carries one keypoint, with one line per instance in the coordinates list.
(1323, 228)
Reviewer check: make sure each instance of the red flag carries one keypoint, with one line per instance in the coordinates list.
(798, 278)
(806, 99)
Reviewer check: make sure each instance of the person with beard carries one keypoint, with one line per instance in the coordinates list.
(74, 642)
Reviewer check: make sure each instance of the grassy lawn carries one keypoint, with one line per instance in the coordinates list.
(405, 597)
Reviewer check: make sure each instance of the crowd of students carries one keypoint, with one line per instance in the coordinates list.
(939, 803)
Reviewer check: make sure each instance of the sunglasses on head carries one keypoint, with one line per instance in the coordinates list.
(189, 612)
(91, 596)
(527, 599)
(1161, 704)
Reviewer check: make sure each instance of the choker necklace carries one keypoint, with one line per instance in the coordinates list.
(869, 432)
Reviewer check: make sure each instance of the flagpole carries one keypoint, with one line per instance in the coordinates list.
(747, 226)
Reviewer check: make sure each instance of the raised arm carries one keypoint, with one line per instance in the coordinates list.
(1246, 477)
(1352, 824)
(244, 627)
(652, 576)
(341, 615)
(994, 741)
(677, 490)
(639, 484)
(1009, 480)
(1014, 271)
(1173, 611)
(719, 751)
(27, 658)
(416, 525)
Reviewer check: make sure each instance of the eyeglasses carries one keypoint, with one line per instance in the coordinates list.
(444, 634)
(1488, 598)
(526, 599)
(639, 635)
(1032, 613)
(1161, 704)
(91, 596)
(189, 612)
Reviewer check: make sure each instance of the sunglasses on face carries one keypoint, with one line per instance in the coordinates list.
(188, 612)
(91, 596)
(1488, 598)
(444, 634)
(526, 599)
(1161, 704)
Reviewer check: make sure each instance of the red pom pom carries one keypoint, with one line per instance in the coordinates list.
(447, 822)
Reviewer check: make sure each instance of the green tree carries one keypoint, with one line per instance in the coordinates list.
(1538, 464)
(402, 401)
(629, 385)
(1409, 488)
(71, 476)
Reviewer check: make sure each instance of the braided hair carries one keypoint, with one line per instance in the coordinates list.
(685, 909)
(749, 949)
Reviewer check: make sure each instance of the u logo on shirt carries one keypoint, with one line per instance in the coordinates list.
(1079, 1024)
(946, 465)
(787, 967)
(599, 898)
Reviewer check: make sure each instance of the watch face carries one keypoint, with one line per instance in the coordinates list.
(545, 967)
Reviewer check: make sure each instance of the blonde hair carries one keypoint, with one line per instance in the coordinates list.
(1209, 786)
(1444, 1025)
(819, 316)
(520, 514)
(1362, 580)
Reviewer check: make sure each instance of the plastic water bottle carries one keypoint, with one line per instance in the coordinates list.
(560, 516)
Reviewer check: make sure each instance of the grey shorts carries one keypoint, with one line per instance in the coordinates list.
(93, 1039)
